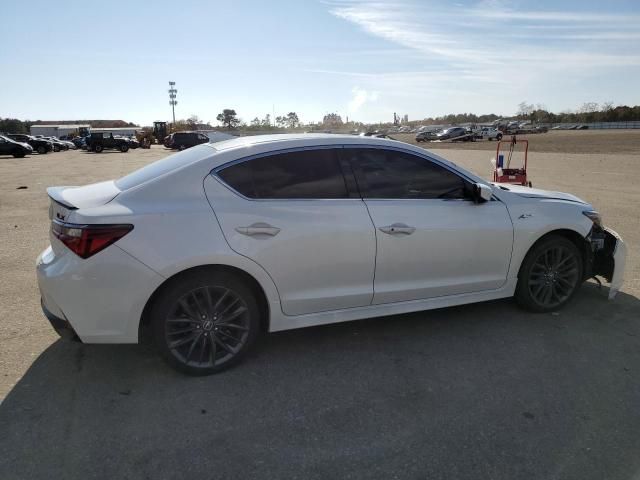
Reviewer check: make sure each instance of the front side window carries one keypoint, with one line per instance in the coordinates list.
(303, 174)
(389, 174)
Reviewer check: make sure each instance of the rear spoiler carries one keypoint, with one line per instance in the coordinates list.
(55, 194)
(87, 196)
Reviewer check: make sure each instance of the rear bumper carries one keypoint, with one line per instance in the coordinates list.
(60, 325)
(99, 299)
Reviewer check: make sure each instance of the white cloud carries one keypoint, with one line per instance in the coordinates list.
(491, 48)
(359, 98)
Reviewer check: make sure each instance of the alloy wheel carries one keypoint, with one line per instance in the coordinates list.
(207, 327)
(554, 276)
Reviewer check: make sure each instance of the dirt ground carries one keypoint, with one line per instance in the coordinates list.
(483, 391)
(555, 141)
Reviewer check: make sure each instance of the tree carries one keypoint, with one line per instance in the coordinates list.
(292, 120)
(525, 109)
(193, 122)
(255, 122)
(332, 120)
(281, 122)
(266, 121)
(228, 118)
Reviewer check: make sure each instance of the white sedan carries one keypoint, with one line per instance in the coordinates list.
(210, 247)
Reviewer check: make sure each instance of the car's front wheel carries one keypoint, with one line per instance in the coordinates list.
(42, 150)
(97, 148)
(18, 154)
(124, 148)
(205, 322)
(550, 275)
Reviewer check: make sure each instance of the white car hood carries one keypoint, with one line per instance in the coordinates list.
(538, 193)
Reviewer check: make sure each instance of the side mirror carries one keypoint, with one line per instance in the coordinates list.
(482, 192)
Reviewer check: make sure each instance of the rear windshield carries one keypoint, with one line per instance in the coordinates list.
(166, 165)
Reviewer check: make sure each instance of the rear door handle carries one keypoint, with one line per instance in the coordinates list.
(398, 229)
(258, 229)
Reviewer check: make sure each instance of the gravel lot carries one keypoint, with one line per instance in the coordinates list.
(481, 391)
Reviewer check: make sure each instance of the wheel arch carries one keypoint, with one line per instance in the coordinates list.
(579, 240)
(252, 282)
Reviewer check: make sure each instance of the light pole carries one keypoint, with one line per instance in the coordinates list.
(172, 99)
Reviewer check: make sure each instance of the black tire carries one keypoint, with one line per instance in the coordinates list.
(56, 148)
(197, 310)
(41, 149)
(124, 148)
(98, 148)
(550, 275)
(181, 147)
(18, 154)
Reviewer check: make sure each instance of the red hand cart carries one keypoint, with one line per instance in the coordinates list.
(503, 173)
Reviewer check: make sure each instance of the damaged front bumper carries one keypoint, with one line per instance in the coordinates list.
(609, 254)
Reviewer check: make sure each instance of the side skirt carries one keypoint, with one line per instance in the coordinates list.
(283, 322)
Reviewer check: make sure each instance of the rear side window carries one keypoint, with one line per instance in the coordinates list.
(391, 174)
(303, 174)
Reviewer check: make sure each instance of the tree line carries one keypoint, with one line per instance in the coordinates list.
(589, 112)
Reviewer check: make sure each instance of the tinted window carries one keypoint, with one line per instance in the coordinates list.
(304, 174)
(391, 174)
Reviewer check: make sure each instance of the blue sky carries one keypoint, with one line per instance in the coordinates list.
(363, 59)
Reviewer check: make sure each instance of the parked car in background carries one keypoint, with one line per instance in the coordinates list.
(11, 147)
(489, 133)
(133, 142)
(38, 144)
(182, 140)
(57, 144)
(78, 141)
(69, 144)
(425, 136)
(452, 133)
(207, 248)
(98, 142)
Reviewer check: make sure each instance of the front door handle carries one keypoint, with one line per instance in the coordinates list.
(258, 229)
(398, 229)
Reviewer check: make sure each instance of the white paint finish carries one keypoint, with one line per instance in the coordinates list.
(457, 247)
(619, 258)
(322, 257)
(102, 297)
(327, 249)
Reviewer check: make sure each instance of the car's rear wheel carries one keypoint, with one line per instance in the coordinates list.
(550, 275)
(41, 149)
(56, 148)
(124, 148)
(181, 147)
(205, 322)
(97, 148)
(18, 154)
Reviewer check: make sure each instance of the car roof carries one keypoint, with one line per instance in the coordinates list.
(312, 139)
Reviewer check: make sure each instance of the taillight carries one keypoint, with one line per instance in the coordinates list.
(87, 240)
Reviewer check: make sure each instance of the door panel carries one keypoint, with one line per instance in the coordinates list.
(320, 253)
(456, 246)
(432, 240)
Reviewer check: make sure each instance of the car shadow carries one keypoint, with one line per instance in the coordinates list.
(486, 390)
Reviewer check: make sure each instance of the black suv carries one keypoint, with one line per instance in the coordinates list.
(11, 147)
(97, 142)
(40, 145)
(182, 140)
